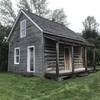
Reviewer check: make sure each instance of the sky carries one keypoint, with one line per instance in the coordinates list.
(76, 11)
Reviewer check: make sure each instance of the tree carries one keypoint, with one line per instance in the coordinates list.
(23, 4)
(7, 13)
(39, 7)
(4, 31)
(90, 23)
(91, 34)
(90, 28)
(59, 16)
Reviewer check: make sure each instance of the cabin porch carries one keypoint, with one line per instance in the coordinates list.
(64, 73)
(64, 59)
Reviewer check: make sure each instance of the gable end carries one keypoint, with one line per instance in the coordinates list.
(17, 21)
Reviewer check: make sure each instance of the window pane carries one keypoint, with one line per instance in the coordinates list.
(23, 25)
(23, 28)
(16, 55)
(31, 60)
(17, 59)
(23, 32)
(17, 51)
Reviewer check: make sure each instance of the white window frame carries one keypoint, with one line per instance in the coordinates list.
(28, 58)
(16, 55)
(22, 28)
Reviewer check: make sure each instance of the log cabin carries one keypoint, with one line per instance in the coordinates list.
(38, 46)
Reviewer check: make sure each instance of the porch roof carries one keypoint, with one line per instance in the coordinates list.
(67, 41)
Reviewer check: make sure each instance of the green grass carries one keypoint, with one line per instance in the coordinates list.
(17, 87)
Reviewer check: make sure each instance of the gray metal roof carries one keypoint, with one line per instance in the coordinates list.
(55, 28)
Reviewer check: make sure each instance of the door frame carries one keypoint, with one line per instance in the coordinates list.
(28, 58)
(69, 51)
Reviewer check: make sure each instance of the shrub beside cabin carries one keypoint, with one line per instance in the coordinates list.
(41, 47)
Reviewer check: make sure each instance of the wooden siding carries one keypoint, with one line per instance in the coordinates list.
(33, 37)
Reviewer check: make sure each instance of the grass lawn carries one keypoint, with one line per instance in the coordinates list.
(17, 87)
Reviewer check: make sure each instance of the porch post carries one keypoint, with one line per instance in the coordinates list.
(72, 59)
(57, 60)
(94, 60)
(85, 58)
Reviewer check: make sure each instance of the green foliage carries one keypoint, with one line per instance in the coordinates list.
(90, 29)
(89, 57)
(3, 57)
(98, 56)
(90, 34)
(4, 31)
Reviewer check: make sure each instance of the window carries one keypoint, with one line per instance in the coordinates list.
(16, 55)
(23, 28)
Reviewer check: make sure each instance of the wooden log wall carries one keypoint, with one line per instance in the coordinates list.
(78, 58)
(50, 55)
(61, 57)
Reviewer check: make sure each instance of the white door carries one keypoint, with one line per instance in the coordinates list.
(31, 59)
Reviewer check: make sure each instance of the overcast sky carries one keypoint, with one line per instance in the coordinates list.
(77, 11)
